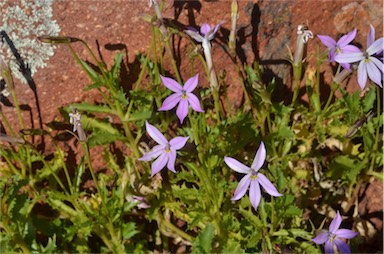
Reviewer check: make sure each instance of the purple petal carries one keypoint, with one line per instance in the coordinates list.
(321, 238)
(155, 134)
(255, 194)
(329, 42)
(346, 233)
(182, 110)
(195, 35)
(328, 248)
(362, 75)
(376, 47)
(154, 153)
(350, 49)
(373, 71)
(346, 39)
(371, 36)
(171, 84)
(349, 57)
(194, 102)
(204, 29)
(346, 66)
(171, 161)
(335, 224)
(178, 142)
(342, 246)
(259, 159)
(159, 163)
(209, 36)
(170, 102)
(331, 55)
(236, 165)
(242, 187)
(267, 185)
(191, 83)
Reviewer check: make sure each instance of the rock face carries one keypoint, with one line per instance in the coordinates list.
(264, 31)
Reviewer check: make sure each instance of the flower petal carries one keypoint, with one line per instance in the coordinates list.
(195, 35)
(159, 163)
(171, 161)
(267, 185)
(170, 102)
(328, 41)
(182, 110)
(204, 29)
(242, 187)
(213, 31)
(171, 84)
(373, 71)
(178, 142)
(362, 74)
(154, 153)
(346, 233)
(191, 83)
(335, 224)
(194, 102)
(255, 194)
(346, 39)
(349, 57)
(350, 49)
(321, 238)
(259, 159)
(376, 47)
(236, 165)
(342, 246)
(371, 36)
(328, 248)
(155, 134)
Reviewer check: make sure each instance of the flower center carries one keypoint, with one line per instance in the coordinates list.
(167, 148)
(332, 236)
(366, 56)
(254, 176)
(338, 50)
(184, 95)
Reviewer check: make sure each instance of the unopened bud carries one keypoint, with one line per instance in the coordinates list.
(6, 74)
(57, 39)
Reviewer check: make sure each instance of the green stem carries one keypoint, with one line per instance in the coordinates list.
(163, 222)
(296, 82)
(375, 145)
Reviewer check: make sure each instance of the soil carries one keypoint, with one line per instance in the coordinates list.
(265, 29)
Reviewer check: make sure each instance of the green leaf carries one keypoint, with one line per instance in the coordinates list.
(369, 99)
(203, 243)
(91, 108)
(90, 71)
(129, 230)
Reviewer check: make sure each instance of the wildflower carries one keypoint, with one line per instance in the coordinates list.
(74, 118)
(341, 46)
(368, 64)
(138, 200)
(205, 36)
(332, 237)
(303, 36)
(165, 151)
(182, 96)
(252, 178)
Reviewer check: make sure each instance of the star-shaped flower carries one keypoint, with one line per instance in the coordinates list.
(332, 237)
(182, 96)
(369, 65)
(165, 151)
(252, 178)
(206, 32)
(341, 46)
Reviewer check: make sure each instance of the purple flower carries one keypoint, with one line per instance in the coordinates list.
(332, 237)
(369, 65)
(165, 151)
(206, 32)
(182, 96)
(341, 46)
(252, 178)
